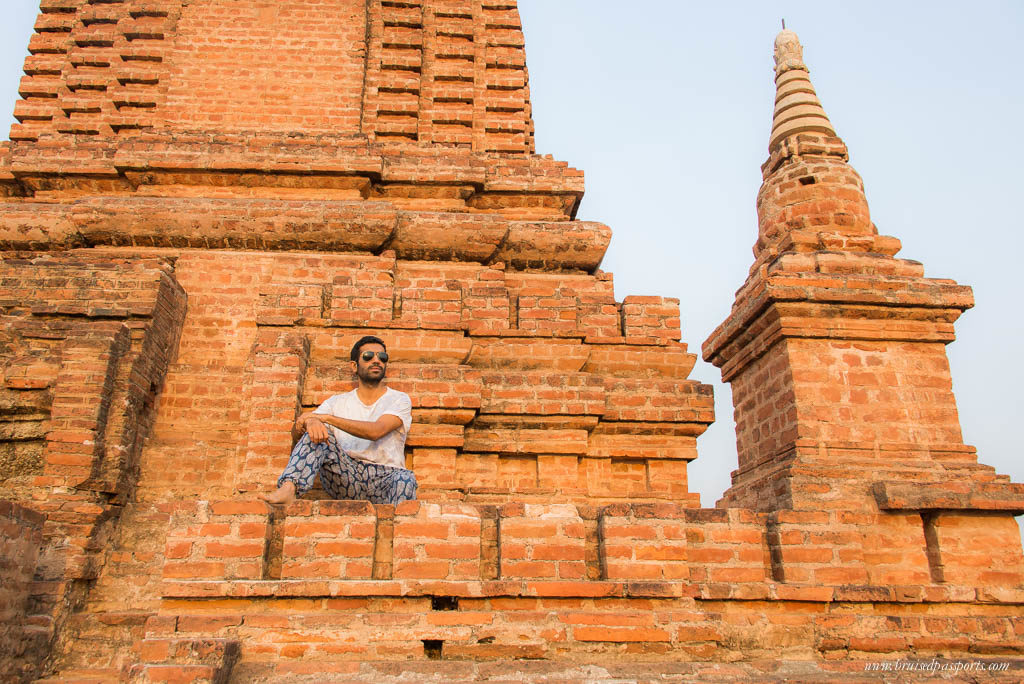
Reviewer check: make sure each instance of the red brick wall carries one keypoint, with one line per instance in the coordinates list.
(89, 341)
(453, 75)
(218, 539)
(663, 550)
(975, 548)
(884, 402)
(846, 547)
(329, 539)
(541, 542)
(637, 546)
(765, 409)
(268, 335)
(673, 582)
(636, 637)
(303, 66)
(867, 393)
(436, 541)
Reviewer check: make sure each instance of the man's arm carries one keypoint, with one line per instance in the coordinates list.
(313, 423)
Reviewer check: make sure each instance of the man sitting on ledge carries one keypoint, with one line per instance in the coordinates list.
(355, 441)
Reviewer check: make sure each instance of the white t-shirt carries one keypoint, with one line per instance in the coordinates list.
(389, 450)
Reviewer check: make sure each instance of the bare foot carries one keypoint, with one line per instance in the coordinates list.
(284, 495)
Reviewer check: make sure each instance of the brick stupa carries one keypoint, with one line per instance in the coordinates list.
(207, 201)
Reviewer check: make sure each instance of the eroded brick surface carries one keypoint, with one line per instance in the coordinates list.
(21, 648)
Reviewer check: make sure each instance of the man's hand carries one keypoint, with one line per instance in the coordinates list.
(317, 431)
(313, 426)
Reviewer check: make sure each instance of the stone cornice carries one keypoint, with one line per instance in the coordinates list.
(864, 306)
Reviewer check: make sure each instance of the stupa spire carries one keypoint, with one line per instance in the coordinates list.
(808, 184)
(835, 350)
(797, 108)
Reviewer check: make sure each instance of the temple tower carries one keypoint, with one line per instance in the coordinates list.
(835, 349)
(207, 201)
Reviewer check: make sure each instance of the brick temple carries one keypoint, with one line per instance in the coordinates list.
(207, 201)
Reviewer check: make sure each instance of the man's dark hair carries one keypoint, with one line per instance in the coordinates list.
(369, 339)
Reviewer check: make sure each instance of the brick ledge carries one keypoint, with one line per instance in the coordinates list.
(768, 591)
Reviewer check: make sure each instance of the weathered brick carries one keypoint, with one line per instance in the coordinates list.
(336, 540)
(437, 541)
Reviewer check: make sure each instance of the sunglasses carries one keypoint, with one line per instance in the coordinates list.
(368, 356)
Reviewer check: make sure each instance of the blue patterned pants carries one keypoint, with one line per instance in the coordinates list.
(343, 477)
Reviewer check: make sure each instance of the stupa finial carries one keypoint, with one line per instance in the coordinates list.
(789, 54)
(797, 108)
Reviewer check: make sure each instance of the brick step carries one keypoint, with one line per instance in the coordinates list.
(179, 674)
(37, 628)
(185, 660)
(36, 631)
(188, 650)
(137, 555)
(104, 625)
(110, 594)
(607, 670)
(83, 676)
(103, 641)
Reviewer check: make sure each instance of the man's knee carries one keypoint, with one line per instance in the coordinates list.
(307, 443)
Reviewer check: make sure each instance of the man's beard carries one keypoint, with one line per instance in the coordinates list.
(369, 377)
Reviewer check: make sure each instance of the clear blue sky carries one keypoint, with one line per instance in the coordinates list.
(667, 106)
